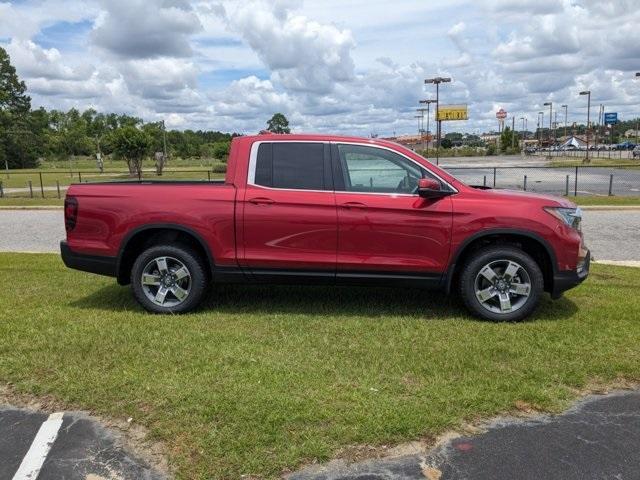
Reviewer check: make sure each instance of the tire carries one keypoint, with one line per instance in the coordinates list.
(506, 297)
(176, 270)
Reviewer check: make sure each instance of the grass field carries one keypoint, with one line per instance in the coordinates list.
(265, 379)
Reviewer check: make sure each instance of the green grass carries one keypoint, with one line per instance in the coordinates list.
(29, 202)
(263, 379)
(594, 161)
(585, 200)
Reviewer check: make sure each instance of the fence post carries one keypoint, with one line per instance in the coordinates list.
(484, 183)
(209, 175)
(140, 174)
(566, 187)
(80, 177)
(525, 182)
(30, 189)
(1, 190)
(611, 184)
(575, 184)
(58, 187)
(494, 177)
(41, 185)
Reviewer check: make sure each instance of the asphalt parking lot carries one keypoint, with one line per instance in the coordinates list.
(611, 234)
(599, 438)
(64, 445)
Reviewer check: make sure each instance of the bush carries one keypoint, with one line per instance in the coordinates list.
(219, 168)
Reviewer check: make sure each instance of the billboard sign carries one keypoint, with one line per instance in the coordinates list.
(452, 112)
(611, 118)
(501, 114)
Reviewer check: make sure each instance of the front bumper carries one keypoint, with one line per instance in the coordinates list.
(88, 263)
(563, 281)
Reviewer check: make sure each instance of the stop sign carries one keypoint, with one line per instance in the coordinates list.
(501, 114)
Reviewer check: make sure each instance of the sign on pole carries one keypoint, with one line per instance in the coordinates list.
(452, 112)
(611, 118)
(501, 114)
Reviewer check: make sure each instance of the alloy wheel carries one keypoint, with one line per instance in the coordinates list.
(166, 281)
(502, 286)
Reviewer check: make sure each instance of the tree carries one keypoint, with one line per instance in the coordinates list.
(446, 143)
(15, 136)
(131, 144)
(507, 139)
(221, 151)
(278, 124)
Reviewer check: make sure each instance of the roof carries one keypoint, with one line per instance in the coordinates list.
(307, 137)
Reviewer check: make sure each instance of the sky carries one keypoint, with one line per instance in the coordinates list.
(341, 66)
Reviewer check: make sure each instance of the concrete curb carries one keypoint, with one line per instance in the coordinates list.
(619, 263)
(31, 207)
(597, 208)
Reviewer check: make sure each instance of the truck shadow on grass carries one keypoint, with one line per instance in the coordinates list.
(322, 301)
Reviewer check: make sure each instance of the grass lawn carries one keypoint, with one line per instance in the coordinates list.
(264, 379)
(29, 202)
(595, 161)
(585, 200)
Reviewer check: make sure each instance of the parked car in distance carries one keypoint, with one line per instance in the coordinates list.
(326, 209)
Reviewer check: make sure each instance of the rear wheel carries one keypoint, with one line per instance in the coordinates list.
(501, 284)
(168, 279)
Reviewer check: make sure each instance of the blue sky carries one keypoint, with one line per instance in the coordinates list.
(353, 67)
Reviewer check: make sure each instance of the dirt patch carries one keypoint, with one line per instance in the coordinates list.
(130, 436)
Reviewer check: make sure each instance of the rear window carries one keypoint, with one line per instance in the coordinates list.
(293, 165)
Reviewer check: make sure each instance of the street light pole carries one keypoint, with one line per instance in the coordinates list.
(588, 94)
(428, 103)
(540, 127)
(550, 105)
(523, 119)
(422, 110)
(565, 121)
(437, 81)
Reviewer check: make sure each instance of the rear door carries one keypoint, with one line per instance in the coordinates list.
(289, 211)
(384, 227)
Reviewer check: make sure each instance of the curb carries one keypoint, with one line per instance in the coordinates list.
(619, 263)
(31, 207)
(596, 208)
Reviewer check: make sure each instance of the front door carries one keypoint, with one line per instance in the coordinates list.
(384, 227)
(289, 212)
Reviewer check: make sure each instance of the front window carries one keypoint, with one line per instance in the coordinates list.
(375, 170)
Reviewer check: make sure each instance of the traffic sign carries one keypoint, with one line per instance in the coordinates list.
(501, 114)
(611, 118)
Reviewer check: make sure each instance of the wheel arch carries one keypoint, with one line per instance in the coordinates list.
(141, 238)
(529, 242)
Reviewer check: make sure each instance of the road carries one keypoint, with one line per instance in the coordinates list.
(598, 438)
(611, 235)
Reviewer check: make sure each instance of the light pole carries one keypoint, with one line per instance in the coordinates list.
(566, 107)
(422, 110)
(523, 119)
(428, 103)
(437, 81)
(550, 105)
(540, 127)
(588, 94)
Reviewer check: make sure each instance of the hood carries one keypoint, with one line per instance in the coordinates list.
(551, 200)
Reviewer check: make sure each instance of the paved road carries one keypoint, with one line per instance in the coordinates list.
(611, 235)
(66, 445)
(597, 439)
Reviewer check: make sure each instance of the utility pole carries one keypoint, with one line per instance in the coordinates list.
(565, 121)
(550, 105)
(428, 103)
(588, 94)
(422, 110)
(523, 119)
(540, 127)
(437, 81)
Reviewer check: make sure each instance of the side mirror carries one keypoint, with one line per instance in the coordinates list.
(430, 188)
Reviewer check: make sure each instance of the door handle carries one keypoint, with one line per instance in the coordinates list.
(261, 201)
(353, 205)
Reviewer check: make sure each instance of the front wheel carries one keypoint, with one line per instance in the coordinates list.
(168, 279)
(501, 284)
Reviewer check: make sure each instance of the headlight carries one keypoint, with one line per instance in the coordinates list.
(569, 216)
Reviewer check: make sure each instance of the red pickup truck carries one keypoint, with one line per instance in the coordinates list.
(327, 209)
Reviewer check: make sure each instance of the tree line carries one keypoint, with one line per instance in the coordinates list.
(27, 135)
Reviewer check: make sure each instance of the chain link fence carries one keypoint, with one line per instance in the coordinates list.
(53, 184)
(578, 180)
(620, 180)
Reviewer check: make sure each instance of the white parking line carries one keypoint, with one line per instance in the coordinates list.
(42, 443)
